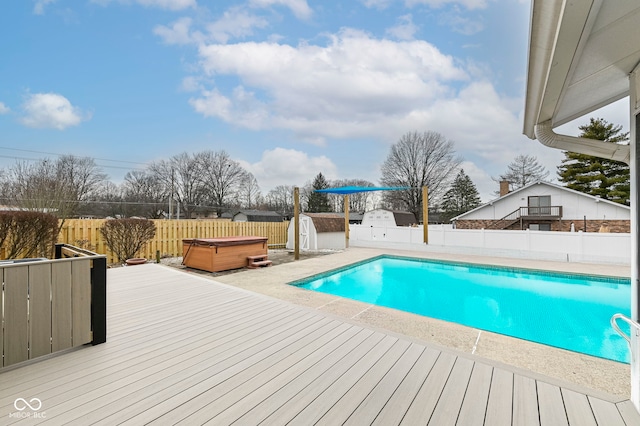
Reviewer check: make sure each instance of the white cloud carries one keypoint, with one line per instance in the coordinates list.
(338, 90)
(377, 4)
(162, 4)
(299, 8)
(405, 29)
(469, 4)
(4, 109)
(50, 110)
(357, 87)
(177, 33)
(235, 23)
(38, 8)
(282, 166)
(461, 24)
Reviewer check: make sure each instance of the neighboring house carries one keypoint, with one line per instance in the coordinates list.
(318, 231)
(547, 207)
(382, 217)
(257, 216)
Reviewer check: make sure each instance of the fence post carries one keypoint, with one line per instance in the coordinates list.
(99, 300)
(57, 254)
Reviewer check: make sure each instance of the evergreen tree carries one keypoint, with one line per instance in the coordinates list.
(523, 170)
(461, 197)
(318, 201)
(601, 177)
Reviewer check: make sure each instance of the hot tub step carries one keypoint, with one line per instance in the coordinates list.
(258, 262)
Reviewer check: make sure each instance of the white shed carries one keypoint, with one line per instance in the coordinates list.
(383, 217)
(318, 231)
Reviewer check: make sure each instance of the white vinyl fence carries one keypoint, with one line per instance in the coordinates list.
(560, 246)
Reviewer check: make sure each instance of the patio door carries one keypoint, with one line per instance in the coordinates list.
(540, 205)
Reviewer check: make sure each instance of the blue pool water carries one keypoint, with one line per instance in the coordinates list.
(567, 311)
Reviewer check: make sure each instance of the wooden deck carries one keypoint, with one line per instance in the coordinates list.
(182, 349)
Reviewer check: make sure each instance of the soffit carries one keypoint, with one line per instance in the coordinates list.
(580, 57)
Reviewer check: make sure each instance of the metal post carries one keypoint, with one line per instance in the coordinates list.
(99, 300)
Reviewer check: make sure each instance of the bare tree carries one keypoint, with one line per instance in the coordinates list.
(222, 178)
(144, 194)
(249, 194)
(108, 202)
(358, 201)
(181, 178)
(523, 170)
(280, 199)
(417, 160)
(58, 187)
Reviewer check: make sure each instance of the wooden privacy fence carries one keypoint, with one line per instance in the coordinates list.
(170, 233)
(51, 305)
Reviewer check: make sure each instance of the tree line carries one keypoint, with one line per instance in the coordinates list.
(209, 182)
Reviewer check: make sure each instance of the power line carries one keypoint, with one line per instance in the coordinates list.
(61, 155)
(13, 157)
(147, 203)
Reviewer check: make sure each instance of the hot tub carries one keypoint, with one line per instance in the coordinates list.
(221, 254)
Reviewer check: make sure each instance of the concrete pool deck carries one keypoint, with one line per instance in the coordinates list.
(595, 373)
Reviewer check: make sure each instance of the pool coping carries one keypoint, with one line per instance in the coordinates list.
(595, 278)
(599, 375)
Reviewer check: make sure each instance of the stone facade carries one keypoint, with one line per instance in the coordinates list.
(614, 226)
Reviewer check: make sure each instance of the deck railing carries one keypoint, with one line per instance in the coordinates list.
(51, 305)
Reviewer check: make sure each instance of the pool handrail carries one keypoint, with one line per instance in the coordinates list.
(629, 321)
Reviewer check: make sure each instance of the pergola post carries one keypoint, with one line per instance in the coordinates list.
(296, 223)
(425, 214)
(634, 124)
(346, 221)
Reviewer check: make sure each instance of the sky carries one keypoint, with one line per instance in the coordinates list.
(288, 88)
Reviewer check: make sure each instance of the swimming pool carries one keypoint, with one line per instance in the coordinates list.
(568, 311)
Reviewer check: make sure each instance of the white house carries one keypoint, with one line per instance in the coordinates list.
(382, 217)
(547, 207)
(318, 231)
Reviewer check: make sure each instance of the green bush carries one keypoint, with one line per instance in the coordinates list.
(126, 237)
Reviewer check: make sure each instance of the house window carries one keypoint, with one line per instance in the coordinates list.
(539, 205)
(540, 227)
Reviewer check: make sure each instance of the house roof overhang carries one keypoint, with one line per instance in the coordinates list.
(580, 56)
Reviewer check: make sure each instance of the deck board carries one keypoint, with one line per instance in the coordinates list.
(525, 401)
(185, 349)
(448, 407)
(474, 406)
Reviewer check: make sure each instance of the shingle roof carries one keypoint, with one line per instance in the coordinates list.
(327, 222)
(260, 215)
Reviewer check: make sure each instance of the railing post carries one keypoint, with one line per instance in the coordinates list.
(58, 251)
(99, 300)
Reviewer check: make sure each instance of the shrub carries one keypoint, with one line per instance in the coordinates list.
(26, 234)
(126, 237)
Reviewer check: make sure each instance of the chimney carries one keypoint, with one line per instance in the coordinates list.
(504, 187)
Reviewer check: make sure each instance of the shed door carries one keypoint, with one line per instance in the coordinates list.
(304, 232)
